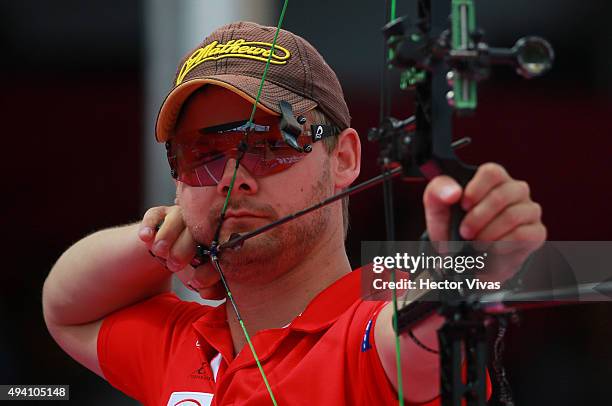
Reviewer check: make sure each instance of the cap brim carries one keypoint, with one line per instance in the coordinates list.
(244, 86)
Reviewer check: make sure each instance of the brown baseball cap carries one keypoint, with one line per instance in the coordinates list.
(234, 57)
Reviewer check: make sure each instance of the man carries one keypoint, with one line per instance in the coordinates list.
(106, 301)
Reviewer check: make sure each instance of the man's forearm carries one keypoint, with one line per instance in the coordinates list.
(100, 274)
(420, 367)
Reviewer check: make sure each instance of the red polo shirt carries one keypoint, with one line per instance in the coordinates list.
(166, 352)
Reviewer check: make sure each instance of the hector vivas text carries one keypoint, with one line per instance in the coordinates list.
(439, 263)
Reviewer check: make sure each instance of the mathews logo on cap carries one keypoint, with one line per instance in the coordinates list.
(235, 48)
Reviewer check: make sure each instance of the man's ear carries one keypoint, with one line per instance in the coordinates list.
(346, 158)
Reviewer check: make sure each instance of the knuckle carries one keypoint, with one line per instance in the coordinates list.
(154, 215)
(150, 213)
(537, 208)
(489, 168)
(497, 198)
(514, 217)
(531, 233)
(171, 211)
(543, 232)
(174, 209)
(492, 171)
(522, 234)
(523, 187)
(476, 216)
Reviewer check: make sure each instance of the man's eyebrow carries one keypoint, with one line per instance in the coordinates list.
(223, 127)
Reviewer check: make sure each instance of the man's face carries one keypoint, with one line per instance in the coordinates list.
(256, 201)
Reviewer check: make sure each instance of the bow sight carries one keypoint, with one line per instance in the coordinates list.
(443, 65)
(463, 50)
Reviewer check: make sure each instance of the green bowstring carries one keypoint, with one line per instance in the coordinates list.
(250, 122)
(227, 198)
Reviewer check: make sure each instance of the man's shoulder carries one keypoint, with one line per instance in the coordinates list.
(352, 306)
(165, 311)
(168, 301)
(362, 311)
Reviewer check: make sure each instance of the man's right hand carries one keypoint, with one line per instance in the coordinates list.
(164, 233)
(166, 236)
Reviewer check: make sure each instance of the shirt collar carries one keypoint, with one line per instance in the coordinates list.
(329, 304)
(320, 313)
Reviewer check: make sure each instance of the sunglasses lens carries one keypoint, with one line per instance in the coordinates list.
(205, 174)
(268, 162)
(201, 160)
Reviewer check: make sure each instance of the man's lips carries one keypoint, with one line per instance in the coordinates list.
(242, 215)
(242, 221)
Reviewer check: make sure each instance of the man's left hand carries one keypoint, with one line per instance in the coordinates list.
(497, 208)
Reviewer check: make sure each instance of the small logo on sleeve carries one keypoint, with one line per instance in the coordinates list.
(201, 373)
(365, 343)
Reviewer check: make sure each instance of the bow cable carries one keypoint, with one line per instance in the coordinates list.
(385, 107)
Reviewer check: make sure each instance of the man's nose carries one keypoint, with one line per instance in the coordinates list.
(244, 182)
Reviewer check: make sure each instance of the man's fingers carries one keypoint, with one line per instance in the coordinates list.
(168, 233)
(487, 177)
(491, 205)
(514, 247)
(149, 222)
(511, 218)
(182, 252)
(528, 232)
(174, 245)
(440, 194)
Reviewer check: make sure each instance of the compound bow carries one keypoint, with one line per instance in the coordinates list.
(442, 61)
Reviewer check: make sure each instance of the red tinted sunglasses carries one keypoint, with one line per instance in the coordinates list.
(198, 158)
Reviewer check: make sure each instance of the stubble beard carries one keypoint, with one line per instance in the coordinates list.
(267, 256)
